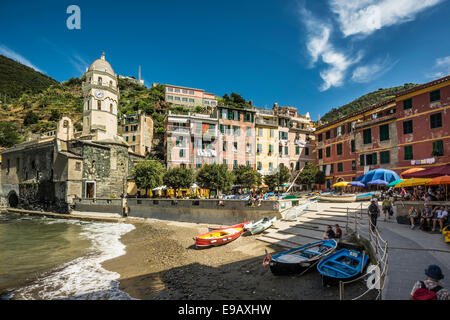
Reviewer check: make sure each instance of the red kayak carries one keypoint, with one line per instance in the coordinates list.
(220, 236)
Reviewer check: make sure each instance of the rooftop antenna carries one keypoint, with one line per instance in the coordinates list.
(139, 74)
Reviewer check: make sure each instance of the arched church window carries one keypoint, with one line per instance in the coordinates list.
(110, 84)
(100, 80)
(99, 105)
(88, 104)
(111, 107)
(65, 123)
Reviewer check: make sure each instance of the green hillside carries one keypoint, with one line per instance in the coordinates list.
(363, 102)
(15, 79)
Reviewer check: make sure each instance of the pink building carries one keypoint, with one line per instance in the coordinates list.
(191, 140)
(237, 137)
(189, 97)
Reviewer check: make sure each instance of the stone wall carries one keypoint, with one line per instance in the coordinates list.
(197, 211)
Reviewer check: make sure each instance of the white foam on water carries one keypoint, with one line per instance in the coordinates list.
(85, 278)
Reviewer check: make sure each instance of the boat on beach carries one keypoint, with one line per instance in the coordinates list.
(344, 264)
(364, 196)
(220, 236)
(261, 225)
(337, 198)
(299, 259)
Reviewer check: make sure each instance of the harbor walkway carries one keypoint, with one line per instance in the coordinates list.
(410, 251)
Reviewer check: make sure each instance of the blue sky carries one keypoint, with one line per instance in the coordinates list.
(313, 55)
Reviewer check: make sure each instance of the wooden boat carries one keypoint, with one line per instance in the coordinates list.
(220, 236)
(344, 264)
(337, 198)
(299, 259)
(364, 196)
(261, 225)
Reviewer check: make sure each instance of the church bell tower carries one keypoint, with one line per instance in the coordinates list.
(101, 100)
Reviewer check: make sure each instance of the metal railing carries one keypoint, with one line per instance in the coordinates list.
(380, 254)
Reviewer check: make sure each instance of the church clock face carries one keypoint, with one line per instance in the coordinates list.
(99, 94)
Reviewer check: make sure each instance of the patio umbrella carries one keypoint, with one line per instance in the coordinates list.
(380, 174)
(378, 182)
(357, 184)
(340, 184)
(412, 182)
(394, 183)
(359, 178)
(430, 173)
(412, 170)
(439, 181)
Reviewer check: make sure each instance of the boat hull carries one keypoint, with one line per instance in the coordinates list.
(261, 226)
(337, 198)
(293, 261)
(343, 265)
(229, 234)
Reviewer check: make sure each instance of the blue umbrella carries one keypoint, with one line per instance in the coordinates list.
(377, 182)
(357, 184)
(380, 174)
(359, 178)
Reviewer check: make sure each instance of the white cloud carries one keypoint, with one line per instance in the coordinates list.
(319, 46)
(366, 16)
(7, 52)
(369, 72)
(78, 62)
(441, 68)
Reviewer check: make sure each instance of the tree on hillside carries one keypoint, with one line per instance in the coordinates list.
(30, 118)
(179, 178)
(234, 100)
(55, 115)
(215, 177)
(246, 176)
(8, 134)
(148, 174)
(278, 178)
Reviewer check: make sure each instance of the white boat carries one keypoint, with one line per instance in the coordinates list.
(261, 225)
(337, 198)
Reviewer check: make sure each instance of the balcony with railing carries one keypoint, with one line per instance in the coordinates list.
(374, 120)
(266, 122)
(178, 129)
(99, 84)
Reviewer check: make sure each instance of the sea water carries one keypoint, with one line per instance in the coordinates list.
(45, 258)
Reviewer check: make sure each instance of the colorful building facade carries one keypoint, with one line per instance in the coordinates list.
(189, 97)
(404, 132)
(237, 137)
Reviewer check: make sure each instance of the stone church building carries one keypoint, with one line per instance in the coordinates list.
(49, 173)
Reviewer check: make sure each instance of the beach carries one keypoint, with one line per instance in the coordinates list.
(162, 263)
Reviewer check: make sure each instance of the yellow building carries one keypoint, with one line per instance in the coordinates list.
(267, 142)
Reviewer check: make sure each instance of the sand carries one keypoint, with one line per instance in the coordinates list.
(162, 263)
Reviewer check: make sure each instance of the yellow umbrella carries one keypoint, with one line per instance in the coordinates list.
(340, 184)
(412, 182)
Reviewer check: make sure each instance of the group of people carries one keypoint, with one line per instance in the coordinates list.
(427, 215)
(332, 234)
(420, 193)
(256, 197)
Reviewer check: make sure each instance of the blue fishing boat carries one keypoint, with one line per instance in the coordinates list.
(344, 264)
(299, 259)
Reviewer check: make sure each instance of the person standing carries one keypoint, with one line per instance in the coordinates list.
(373, 213)
(387, 207)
